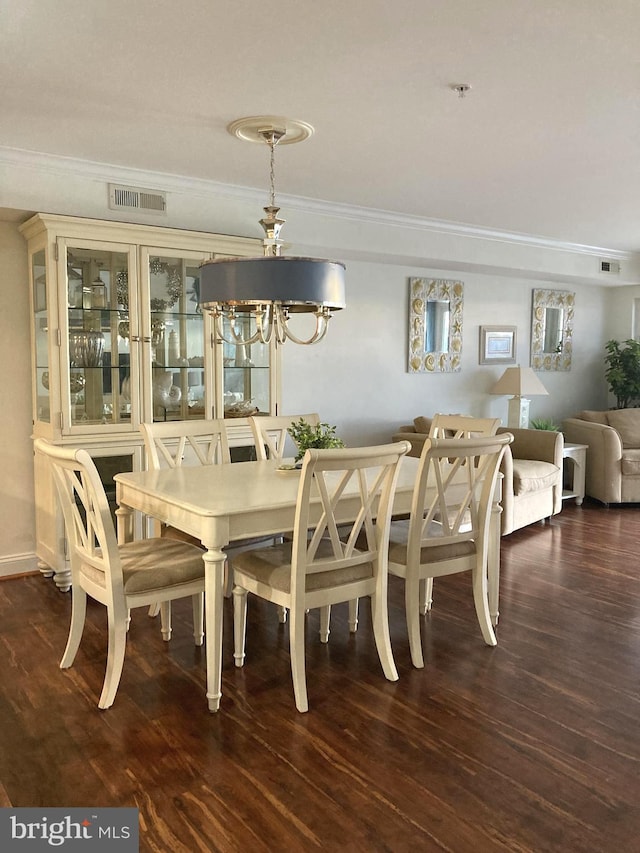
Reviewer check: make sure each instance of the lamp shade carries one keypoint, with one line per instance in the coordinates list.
(520, 382)
(300, 284)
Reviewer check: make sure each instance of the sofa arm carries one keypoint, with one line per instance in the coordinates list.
(543, 445)
(604, 458)
(416, 439)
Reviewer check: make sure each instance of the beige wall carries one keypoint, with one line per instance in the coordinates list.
(358, 378)
(16, 456)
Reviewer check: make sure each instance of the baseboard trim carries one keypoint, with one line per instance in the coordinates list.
(18, 564)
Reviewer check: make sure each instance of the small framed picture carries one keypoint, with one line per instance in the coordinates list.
(498, 344)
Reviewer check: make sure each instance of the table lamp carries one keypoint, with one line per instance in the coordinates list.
(521, 382)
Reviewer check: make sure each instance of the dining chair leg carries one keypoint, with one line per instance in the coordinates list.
(426, 595)
(325, 619)
(239, 624)
(412, 610)
(481, 602)
(197, 602)
(165, 620)
(296, 652)
(380, 618)
(353, 615)
(154, 609)
(115, 659)
(228, 579)
(78, 614)
(282, 614)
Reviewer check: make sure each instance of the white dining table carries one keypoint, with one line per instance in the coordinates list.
(219, 504)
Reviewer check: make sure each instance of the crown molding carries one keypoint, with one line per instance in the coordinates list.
(110, 173)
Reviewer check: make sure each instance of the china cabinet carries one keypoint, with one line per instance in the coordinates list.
(118, 337)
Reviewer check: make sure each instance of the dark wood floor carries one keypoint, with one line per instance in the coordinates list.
(530, 746)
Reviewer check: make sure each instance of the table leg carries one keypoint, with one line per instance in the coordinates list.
(214, 560)
(124, 521)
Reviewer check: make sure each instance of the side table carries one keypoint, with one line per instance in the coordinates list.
(577, 453)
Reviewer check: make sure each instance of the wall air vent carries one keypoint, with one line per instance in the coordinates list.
(609, 266)
(133, 198)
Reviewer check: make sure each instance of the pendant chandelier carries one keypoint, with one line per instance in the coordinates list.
(272, 288)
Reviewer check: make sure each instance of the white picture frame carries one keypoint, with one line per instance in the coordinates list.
(498, 344)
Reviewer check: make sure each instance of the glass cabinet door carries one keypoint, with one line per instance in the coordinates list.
(42, 393)
(100, 386)
(246, 383)
(178, 386)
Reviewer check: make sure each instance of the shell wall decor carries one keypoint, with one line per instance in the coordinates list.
(435, 325)
(552, 329)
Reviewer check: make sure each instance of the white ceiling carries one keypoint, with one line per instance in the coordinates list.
(546, 143)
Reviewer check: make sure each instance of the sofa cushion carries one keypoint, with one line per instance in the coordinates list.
(631, 463)
(594, 417)
(531, 475)
(626, 422)
(422, 424)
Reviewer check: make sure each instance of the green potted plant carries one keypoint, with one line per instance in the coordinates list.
(307, 435)
(544, 423)
(623, 371)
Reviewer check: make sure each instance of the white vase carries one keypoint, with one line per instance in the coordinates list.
(165, 393)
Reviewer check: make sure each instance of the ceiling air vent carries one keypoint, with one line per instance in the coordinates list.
(132, 198)
(609, 266)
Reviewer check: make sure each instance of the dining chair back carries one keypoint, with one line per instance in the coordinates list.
(270, 433)
(462, 426)
(176, 443)
(120, 577)
(338, 553)
(448, 527)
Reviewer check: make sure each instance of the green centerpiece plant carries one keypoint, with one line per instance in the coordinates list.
(308, 435)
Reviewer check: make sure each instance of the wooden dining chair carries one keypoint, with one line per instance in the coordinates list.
(186, 443)
(271, 439)
(323, 565)
(270, 433)
(119, 576)
(454, 426)
(449, 525)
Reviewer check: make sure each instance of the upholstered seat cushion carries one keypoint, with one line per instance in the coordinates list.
(149, 564)
(398, 538)
(273, 566)
(532, 475)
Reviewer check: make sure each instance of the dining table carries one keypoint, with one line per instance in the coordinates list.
(220, 504)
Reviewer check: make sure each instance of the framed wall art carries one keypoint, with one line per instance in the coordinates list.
(498, 344)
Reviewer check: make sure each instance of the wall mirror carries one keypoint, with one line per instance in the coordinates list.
(435, 325)
(552, 329)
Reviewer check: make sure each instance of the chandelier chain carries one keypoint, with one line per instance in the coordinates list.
(272, 170)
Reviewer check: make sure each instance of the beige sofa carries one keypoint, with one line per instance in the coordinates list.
(613, 453)
(532, 472)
